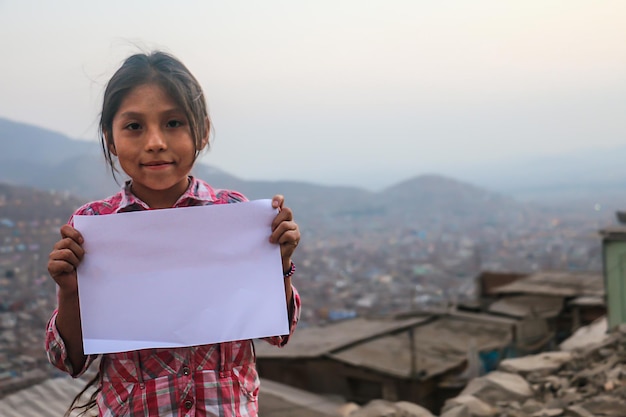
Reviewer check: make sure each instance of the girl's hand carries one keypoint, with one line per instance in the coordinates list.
(285, 231)
(65, 258)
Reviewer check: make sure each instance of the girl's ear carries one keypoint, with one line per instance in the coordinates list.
(110, 144)
(205, 139)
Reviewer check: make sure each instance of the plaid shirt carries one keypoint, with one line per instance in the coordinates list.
(209, 380)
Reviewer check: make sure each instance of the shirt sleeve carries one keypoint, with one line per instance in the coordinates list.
(229, 197)
(294, 317)
(57, 352)
(54, 344)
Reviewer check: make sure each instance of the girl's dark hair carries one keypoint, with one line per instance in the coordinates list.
(169, 73)
(91, 402)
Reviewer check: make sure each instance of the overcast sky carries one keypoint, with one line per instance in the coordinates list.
(353, 92)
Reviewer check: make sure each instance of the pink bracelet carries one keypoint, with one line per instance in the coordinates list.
(292, 270)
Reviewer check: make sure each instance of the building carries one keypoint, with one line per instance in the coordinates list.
(566, 299)
(614, 260)
(418, 359)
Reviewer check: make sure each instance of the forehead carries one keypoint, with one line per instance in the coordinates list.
(147, 98)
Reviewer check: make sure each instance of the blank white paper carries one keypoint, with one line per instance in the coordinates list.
(180, 277)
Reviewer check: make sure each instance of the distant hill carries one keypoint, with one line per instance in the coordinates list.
(20, 203)
(455, 204)
(24, 142)
(45, 159)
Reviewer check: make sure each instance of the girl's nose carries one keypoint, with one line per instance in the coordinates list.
(155, 141)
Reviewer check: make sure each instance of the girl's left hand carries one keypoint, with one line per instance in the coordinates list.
(285, 231)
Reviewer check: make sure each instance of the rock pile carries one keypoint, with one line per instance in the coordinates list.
(589, 381)
(382, 408)
(585, 382)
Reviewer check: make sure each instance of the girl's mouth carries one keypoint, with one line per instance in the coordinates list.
(157, 164)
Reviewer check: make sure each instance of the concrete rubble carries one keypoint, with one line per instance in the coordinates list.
(382, 408)
(587, 335)
(583, 382)
(545, 364)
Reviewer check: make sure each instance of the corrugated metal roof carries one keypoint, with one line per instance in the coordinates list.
(441, 345)
(312, 342)
(52, 397)
(484, 318)
(278, 399)
(528, 305)
(557, 283)
(47, 399)
(588, 302)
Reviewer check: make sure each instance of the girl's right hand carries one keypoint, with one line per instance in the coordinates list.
(65, 258)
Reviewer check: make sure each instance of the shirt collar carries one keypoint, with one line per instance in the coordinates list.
(197, 191)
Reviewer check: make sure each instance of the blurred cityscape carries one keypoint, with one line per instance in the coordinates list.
(365, 268)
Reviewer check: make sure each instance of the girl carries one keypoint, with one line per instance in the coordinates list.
(154, 121)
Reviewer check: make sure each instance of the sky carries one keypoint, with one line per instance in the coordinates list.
(342, 92)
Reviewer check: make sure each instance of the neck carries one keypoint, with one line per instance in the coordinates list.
(160, 199)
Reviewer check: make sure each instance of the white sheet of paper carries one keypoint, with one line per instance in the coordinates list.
(180, 277)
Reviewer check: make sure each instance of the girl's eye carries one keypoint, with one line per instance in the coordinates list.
(174, 123)
(133, 126)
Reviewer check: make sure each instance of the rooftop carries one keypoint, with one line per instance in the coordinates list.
(312, 342)
(545, 306)
(615, 232)
(440, 345)
(557, 283)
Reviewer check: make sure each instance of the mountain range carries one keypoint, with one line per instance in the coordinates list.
(48, 160)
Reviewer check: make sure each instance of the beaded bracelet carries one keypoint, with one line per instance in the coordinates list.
(292, 270)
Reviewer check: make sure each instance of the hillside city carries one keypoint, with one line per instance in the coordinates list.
(350, 266)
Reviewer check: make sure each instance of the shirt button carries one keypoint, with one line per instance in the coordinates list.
(186, 370)
(188, 404)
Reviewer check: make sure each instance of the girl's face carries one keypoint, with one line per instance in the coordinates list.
(153, 144)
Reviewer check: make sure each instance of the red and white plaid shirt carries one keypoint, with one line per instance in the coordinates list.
(209, 380)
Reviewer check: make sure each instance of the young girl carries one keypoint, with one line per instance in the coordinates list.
(155, 123)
